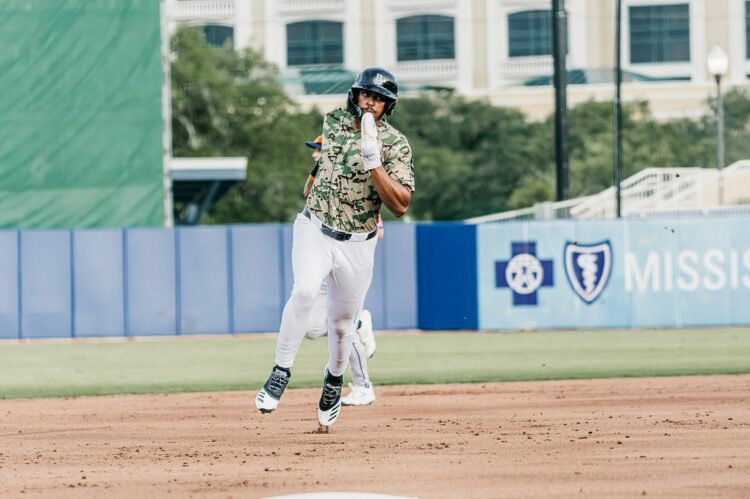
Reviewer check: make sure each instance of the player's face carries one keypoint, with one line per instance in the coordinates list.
(370, 102)
(316, 155)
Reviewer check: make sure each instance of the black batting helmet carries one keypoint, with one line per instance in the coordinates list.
(377, 80)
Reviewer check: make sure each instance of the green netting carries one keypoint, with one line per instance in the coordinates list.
(80, 101)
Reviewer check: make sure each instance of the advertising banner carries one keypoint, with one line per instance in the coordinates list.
(613, 274)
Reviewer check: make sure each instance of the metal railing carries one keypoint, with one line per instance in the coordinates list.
(652, 191)
(421, 4)
(427, 70)
(527, 66)
(311, 5)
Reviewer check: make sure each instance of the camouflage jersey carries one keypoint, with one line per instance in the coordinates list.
(343, 194)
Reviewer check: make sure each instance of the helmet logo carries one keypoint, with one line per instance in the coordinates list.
(379, 79)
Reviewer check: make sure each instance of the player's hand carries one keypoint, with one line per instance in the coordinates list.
(370, 147)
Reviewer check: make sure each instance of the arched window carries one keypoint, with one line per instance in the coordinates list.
(425, 37)
(217, 36)
(314, 42)
(530, 33)
(660, 33)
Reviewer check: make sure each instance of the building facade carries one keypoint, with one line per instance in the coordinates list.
(494, 49)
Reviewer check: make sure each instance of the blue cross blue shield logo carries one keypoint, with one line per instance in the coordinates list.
(588, 267)
(524, 273)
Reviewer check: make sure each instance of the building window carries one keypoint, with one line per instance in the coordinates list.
(217, 36)
(425, 37)
(530, 33)
(314, 42)
(660, 33)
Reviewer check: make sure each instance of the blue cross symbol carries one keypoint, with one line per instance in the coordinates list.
(524, 273)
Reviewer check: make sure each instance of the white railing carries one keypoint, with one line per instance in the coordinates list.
(527, 66)
(438, 69)
(202, 10)
(652, 191)
(647, 189)
(310, 5)
(540, 211)
(420, 4)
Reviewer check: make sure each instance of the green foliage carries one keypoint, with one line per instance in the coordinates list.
(471, 158)
(226, 103)
(737, 125)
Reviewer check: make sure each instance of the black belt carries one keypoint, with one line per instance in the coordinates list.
(333, 233)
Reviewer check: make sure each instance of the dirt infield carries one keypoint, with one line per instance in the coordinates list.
(663, 437)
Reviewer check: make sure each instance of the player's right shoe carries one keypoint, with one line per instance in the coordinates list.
(329, 405)
(360, 395)
(364, 331)
(268, 397)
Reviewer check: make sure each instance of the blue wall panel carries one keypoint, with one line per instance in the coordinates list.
(447, 276)
(552, 302)
(606, 274)
(651, 301)
(46, 284)
(399, 269)
(9, 316)
(151, 282)
(374, 301)
(607, 307)
(392, 295)
(739, 269)
(204, 283)
(677, 272)
(98, 283)
(530, 275)
(286, 264)
(257, 277)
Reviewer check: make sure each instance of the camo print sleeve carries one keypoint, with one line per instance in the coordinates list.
(398, 161)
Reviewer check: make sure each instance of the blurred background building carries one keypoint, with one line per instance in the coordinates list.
(496, 49)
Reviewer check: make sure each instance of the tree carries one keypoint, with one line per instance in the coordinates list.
(227, 103)
(469, 156)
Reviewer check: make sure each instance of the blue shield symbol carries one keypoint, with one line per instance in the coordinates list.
(588, 267)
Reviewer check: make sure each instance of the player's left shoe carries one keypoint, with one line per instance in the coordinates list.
(329, 405)
(364, 330)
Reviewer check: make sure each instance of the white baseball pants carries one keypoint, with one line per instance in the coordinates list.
(318, 326)
(348, 267)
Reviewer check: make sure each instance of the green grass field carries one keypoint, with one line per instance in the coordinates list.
(70, 368)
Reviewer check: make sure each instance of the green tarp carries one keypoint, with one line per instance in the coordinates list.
(80, 113)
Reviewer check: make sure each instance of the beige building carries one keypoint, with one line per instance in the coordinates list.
(494, 49)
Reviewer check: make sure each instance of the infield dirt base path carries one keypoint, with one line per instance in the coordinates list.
(659, 437)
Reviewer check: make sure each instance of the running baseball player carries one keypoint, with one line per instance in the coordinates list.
(364, 163)
(363, 343)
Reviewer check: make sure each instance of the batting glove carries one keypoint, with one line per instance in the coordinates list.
(370, 147)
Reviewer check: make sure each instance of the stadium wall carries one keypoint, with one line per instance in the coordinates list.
(510, 276)
(614, 274)
(157, 281)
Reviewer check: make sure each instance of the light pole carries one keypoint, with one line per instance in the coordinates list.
(718, 63)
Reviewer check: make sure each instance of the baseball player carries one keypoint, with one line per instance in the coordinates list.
(364, 163)
(363, 343)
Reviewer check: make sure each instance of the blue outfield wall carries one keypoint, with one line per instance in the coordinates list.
(505, 276)
(447, 259)
(614, 274)
(157, 281)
